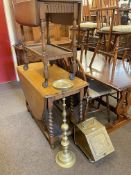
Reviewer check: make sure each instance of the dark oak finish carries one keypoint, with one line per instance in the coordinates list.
(112, 48)
(118, 78)
(109, 40)
(66, 12)
(57, 11)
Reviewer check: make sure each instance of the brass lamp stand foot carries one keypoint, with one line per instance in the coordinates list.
(25, 67)
(65, 158)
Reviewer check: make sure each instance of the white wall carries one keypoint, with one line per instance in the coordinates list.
(11, 29)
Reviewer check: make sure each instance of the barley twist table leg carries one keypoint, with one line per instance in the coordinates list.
(81, 104)
(50, 123)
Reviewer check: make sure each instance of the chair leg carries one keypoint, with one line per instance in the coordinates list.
(73, 69)
(45, 83)
(74, 49)
(45, 59)
(86, 108)
(82, 50)
(116, 52)
(108, 108)
(87, 40)
(71, 104)
(82, 46)
(124, 55)
(118, 95)
(48, 31)
(26, 61)
(96, 50)
(99, 103)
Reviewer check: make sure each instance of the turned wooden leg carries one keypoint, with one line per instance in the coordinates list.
(82, 46)
(118, 95)
(96, 50)
(72, 75)
(108, 107)
(87, 40)
(86, 107)
(81, 110)
(48, 30)
(50, 123)
(44, 59)
(124, 55)
(81, 104)
(105, 47)
(82, 50)
(26, 60)
(116, 52)
(72, 104)
(123, 104)
(45, 83)
(99, 103)
(129, 98)
(104, 41)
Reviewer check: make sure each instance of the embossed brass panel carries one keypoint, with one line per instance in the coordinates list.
(92, 138)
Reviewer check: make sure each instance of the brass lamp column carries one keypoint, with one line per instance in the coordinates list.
(64, 158)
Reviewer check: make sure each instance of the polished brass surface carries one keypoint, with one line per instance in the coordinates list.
(62, 84)
(65, 158)
(92, 138)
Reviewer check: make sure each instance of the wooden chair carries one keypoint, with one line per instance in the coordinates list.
(126, 58)
(86, 28)
(40, 13)
(98, 91)
(32, 20)
(95, 90)
(89, 28)
(109, 37)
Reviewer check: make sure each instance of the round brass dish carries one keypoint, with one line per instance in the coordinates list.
(63, 84)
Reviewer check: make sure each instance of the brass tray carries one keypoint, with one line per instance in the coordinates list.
(63, 84)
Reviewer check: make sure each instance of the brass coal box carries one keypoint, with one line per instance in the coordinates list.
(92, 138)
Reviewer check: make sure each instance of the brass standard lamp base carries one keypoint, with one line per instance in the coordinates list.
(65, 160)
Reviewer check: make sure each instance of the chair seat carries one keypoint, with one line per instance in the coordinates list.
(119, 28)
(91, 25)
(97, 89)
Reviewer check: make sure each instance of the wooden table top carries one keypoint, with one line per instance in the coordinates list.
(34, 75)
(65, 1)
(101, 70)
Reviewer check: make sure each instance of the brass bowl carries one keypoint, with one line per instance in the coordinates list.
(63, 84)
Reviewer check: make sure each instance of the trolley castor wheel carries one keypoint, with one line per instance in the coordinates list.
(45, 84)
(72, 76)
(25, 67)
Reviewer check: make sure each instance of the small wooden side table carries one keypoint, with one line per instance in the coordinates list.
(40, 99)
